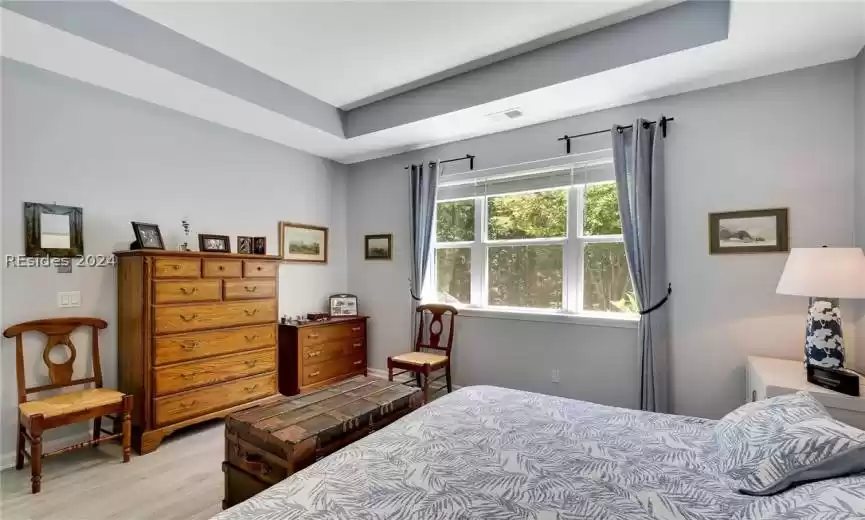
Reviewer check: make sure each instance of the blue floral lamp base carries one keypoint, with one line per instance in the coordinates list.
(824, 342)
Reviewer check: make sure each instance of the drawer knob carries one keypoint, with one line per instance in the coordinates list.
(355, 329)
(251, 338)
(313, 374)
(250, 289)
(357, 345)
(250, 389)
(251, 362)
(258, 268)
(176, 267)
(190, 404)
(222, 268)
(250, 312)
(358, 362)
(189, 346)
(188, 318)
(312, 335)
(187, 292)
(188, 376)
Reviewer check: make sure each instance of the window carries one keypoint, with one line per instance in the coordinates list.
(554, 249)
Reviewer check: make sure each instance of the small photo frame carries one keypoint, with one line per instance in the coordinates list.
(147, 236)
(751, 231)
(378, 247)
(214, 243)
(343, 305)
(259, 245)
(244, 245)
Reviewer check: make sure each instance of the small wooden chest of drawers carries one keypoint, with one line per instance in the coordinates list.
(321, 353)
(196, 336)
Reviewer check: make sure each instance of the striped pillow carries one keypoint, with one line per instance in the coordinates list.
(767, 446)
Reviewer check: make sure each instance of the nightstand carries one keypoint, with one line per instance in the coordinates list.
(769, 377)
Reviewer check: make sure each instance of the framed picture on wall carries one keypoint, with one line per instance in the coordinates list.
(378, 247)
(302, 243)
(751, 231)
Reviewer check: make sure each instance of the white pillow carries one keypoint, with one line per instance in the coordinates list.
(767, 446)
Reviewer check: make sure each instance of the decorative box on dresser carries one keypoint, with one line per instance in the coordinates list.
(196, 336)
(321, 353)
(770, 377)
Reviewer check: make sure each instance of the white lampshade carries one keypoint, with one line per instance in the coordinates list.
(832, 272)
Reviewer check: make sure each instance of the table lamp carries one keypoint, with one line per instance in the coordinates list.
(824, 275)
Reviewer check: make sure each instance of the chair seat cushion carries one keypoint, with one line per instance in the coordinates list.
(420, 358)
(71, 402)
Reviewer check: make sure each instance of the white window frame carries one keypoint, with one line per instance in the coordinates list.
(573, 243)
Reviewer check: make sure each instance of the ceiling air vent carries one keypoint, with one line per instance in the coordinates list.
(506, 115)
(514, 113)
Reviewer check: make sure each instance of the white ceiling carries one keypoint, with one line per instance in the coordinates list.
(343, 52)
(765, 38)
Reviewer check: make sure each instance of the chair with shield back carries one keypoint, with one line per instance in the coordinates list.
(431, 351)
(35, 416)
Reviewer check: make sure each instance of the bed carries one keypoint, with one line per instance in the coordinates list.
(492, 453)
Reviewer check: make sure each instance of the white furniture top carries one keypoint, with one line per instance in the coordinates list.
(781, 376)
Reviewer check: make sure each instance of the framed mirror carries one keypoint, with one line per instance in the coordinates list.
(53, 230)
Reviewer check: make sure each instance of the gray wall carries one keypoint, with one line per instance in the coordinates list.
(860, 191)
(768, 142)
(122, 159)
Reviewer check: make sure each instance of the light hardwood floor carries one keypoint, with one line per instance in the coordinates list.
(182, 480)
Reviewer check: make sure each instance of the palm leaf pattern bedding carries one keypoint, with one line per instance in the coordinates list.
(491, 453)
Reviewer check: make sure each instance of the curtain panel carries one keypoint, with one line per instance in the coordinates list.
(422, 204)
(638, 159)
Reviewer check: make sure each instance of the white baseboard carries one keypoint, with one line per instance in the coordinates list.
(7, 460)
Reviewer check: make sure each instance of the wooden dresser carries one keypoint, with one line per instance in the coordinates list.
(321, 353)
(196, 336)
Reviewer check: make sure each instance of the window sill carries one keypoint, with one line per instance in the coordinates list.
(624, 321)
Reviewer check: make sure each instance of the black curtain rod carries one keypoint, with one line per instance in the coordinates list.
(470, 158)
(567, 138)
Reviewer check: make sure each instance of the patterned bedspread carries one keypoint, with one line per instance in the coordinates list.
(491, 453)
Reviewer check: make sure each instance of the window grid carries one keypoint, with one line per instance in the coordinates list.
(573, 244)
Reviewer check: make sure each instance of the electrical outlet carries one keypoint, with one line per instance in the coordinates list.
(69, 299)
(556, 376)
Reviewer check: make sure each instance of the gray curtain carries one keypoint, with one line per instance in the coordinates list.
(422, 205)
(638, 157)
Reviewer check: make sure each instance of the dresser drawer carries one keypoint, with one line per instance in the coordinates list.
(182, 318)
(323, 334)
(176, 268)
(218, 268)
(336, 349)
(323, 352)
(193, 374)
(323, 371)
(259, 269)
(174, 408)
(170, 291)
(249, 289)
(184, 347)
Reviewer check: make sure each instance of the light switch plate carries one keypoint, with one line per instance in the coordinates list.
(69, 299)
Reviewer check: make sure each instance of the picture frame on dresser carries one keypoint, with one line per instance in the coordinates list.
(197, 337)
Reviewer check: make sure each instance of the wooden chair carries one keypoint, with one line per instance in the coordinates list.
(34, 417)
(429, 337)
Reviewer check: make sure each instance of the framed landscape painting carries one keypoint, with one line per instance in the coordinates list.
(752, 231)
(378, 247)
(302, 243)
